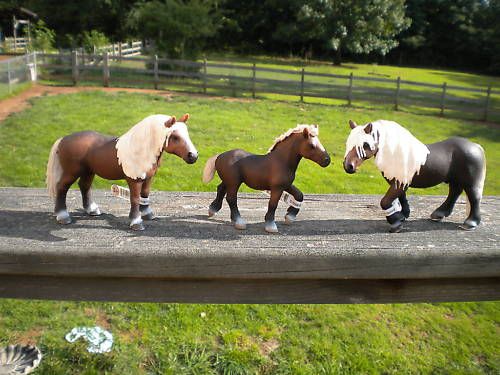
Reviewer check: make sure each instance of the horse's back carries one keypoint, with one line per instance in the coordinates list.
(74, 149)
(463, 159)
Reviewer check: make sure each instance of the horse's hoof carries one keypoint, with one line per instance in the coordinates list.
(137, 227)
(63, 217)
(437, 216)
(289, 219)
(240, 224)
(396, 228)
(211, 212)
(148, 216)
(271, 227)
(64, 220)
(93, 210)
(468, 226)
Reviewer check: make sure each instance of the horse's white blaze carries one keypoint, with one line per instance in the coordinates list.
(316, 143)
(400, 155)
(182, 130)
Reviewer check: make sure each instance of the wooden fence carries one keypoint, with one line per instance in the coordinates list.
(240, 79)
(338, 251)
(15, 44)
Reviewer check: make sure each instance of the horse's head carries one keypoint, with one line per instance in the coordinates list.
(361, 145)
(311, 147)
(178, 141)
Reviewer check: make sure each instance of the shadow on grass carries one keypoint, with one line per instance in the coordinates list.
(41, 226)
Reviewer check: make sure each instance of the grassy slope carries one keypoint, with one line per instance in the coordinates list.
(218, 125)
(307, 339)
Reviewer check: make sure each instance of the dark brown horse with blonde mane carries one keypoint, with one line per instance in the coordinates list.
(135, 157)
(274, 171)
(406, 162)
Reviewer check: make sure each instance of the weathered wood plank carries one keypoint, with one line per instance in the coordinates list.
(338, 246)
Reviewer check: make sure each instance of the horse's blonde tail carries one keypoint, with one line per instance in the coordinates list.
(54, 170)
(209, 170)
(482, 177)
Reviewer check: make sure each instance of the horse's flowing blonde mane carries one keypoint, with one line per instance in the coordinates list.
(139, 148)
(313, 130)
(400, 155)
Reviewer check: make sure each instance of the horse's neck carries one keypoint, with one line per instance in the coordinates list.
(287, 151)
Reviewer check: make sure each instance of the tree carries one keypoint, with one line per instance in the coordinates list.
(43, 38)
(356, 26)
(179, 29)
(94, 39)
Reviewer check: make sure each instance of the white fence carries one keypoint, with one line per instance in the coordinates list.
(16, 71)
(15, 44)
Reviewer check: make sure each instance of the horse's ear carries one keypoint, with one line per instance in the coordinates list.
(170, 122)
(184, 118)
(352, 124)
(306, 133)
(369, 128)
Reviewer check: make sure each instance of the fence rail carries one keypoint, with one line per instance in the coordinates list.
(235, 79)
(16, 71)
(15, 44)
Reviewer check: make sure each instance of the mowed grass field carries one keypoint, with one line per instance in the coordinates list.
(245, 339)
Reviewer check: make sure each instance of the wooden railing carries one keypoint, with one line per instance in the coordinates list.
(338, 251)
(240, 79)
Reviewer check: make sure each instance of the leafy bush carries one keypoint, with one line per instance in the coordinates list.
(93, 39)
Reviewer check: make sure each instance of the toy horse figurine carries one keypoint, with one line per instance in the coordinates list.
(274, 171)
(405, 161)
(135, 157)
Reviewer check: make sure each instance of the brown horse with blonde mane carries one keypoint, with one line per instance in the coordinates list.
(135, 157)
(274, 171)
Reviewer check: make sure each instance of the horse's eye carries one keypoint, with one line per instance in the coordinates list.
(312, 145)
(366, 146)
(174, 138)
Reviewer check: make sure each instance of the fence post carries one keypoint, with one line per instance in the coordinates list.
(8, 77)
(302, 85)
(443, 96)
(487, 104)
(204, 75)
(35, 66)
(156, 71)
(120, 51)
(254, 71)
(396, 100)
(105, 69)
(349, 93)
(74, 65)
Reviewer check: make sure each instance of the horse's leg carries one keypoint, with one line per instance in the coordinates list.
(392, 207)
(445, 209)
(61, 211)
(216, 205)
(135, 198)
(144, 208)
(405, 206)
(271, 209)
(474, 218)
(291, 213)
(89, 205)
(232, 201)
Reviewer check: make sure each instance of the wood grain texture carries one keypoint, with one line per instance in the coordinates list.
(338, 251)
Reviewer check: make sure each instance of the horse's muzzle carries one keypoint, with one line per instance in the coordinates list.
(349, 167)
(191, 158)
(326, 161)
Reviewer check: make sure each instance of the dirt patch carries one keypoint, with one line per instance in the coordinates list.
(21, 101)
(29, 337)
(101, 319)
(268, 346)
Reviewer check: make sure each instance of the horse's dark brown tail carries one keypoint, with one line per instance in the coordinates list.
(209, 170)
(54, 170)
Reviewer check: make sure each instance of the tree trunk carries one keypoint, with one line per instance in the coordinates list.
(337, 59)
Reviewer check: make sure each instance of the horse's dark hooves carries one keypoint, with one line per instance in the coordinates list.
(137, 227)
(396, 228)
(435, 216)
(468, 226)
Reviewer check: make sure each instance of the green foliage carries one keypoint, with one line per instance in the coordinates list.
(179, 29)
(43, 38)
(94, 39)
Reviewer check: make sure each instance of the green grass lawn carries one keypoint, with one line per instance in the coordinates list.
(245, 339)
